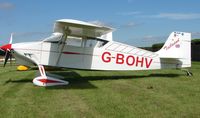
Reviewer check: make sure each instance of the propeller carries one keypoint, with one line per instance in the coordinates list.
(7, 49)
(7, 56)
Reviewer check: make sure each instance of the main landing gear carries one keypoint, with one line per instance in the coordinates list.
(45, 80)
(188, 73)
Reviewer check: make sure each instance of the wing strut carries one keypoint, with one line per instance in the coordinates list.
(61, 43)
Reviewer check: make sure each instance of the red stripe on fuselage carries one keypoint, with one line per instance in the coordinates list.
(71, 53)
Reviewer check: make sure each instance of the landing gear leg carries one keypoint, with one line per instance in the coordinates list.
(45, 80)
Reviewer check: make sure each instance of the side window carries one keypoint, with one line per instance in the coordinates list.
(74, 42)
(95, 43)
(85, 42)
(90, 43)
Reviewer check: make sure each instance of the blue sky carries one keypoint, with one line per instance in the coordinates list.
(137, 22)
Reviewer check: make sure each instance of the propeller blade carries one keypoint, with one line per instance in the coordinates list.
(6, 57)
(11, 59)
(11, 38)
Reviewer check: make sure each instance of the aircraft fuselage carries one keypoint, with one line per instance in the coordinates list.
(111, 56)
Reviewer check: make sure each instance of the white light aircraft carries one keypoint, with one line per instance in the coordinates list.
(83, 45)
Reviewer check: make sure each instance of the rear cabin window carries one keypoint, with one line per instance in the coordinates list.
(101, 43)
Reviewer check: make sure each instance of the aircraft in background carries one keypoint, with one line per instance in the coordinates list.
(83, 45)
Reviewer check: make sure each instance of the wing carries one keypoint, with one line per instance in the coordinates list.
(80, 28)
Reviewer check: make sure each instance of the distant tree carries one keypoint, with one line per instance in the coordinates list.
(2, 53)
(157, 45)
(196, 41)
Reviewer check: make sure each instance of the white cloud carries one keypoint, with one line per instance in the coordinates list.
(195, 35)
(30, 36)
(96, 22)
(149, 37)
(6, 6)
(129, 13)
(178, 16)
(129, 25)
(149, 40)
(116, 25)
(154, 39)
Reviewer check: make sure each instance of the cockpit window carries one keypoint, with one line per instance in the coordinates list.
(80, 41)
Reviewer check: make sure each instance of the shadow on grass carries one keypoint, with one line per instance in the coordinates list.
(18, 81)
(76, 81)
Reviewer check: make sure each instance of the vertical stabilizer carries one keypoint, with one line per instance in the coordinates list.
(177, 46)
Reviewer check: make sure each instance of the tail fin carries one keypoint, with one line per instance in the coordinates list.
(177, 46)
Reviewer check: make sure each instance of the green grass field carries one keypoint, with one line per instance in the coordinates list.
(158, 94)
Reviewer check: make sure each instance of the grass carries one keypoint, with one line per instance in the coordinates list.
(158, 93)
